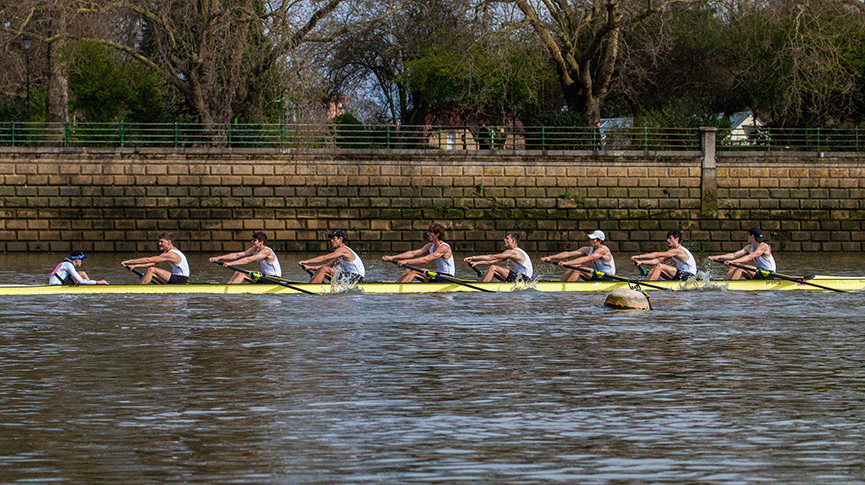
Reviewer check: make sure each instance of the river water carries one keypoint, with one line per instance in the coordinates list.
(526, 387)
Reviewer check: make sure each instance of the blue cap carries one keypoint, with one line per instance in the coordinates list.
(77, 255)
(337, 234)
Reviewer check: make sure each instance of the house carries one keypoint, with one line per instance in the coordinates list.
(744, 127)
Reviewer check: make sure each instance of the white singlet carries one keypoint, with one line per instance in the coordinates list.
(763, 262)
(609, 268)
(444, 266)
(66, 274)
(525, 268)
(181, 269)
(270, 269)
(352, 267)
(689, 266)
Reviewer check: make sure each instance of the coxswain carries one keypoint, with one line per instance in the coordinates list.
(67, 273)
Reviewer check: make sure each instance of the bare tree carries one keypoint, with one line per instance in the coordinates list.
(215, 52)
(582, 37)
(47, 24)
(801, 60)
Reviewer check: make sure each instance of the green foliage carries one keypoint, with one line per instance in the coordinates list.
(493, 84)
(350, 132)
(14, 108)
(104, 89)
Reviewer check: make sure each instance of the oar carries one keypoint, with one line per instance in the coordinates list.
(480, 272)
(601, 274)
(153, 281)
(433, 274)
(265, 278)
(766, 272)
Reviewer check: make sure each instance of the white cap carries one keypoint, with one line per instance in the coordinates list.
(597, 235)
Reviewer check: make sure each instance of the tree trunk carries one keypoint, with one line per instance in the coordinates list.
(57, 92)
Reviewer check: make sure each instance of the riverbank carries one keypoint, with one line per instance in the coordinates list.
(119, 199)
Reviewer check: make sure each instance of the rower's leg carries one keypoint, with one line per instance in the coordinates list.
(236, 278)
(734, 273)
(322, 273)
(571, 275)
(158, 274)
(494, 271)
(408, 276)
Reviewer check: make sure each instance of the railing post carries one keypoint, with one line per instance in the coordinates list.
(708, 172)
(543, 138)
(645, 138)
(122, 137)
(387, 137)
(13, 133)
(67, 133)
(176, 137)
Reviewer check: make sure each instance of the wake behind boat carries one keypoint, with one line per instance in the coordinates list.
(826, 283)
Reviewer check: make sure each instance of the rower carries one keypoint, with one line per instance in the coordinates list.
(685, 264)
(435, 250)
(342, 262)
(179, 273)
(522, 271)
(67, 273)
(756, 250)
(258, 252)
(596, 252)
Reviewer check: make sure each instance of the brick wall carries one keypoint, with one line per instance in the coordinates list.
(212, 199)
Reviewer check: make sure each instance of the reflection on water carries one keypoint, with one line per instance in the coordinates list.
(711, 386)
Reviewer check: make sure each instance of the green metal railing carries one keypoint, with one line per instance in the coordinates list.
(793, 139)
(178, 135)
(545, 138)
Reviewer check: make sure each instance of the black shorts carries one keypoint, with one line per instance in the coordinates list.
(514, 277)
(596, 277)
(758, 275)
(681, 275)
(177, 280)
(442, 280)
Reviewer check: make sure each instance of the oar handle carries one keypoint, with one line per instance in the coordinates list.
(433, 274)
(265, 278)
(578, 268)
(479, 272)
(141, 275)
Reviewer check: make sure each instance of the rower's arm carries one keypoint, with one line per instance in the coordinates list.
(749, 257)
(233, 255)
(563, 255)
(724, 257)
(489, 258)
(345, 253)
(652, 259)
(407, 255)
(253, 257)
(426, 258)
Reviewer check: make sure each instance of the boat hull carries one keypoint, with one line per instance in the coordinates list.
(837, 283)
